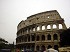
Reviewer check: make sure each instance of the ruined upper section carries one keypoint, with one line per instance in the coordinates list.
(47, 17)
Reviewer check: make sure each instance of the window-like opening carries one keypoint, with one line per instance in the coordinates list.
(56, 47)
(37, 18)
(25, 38)
(38, 38)
(54, 26)
(24, 47)
(28, 38)
(55, 37)
(43, 27)
(48, 27)
(30, 30)
(33, 29)
(43, 48)
(38, 28)
(43, 37)
(27, 31)
(48, 17)
(28, 47)
(60, 26)
(37, 48)
(33, 37)
(32, 48)
(49, 46)
(49, 37)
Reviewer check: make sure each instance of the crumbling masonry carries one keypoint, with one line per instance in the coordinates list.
(40, 31)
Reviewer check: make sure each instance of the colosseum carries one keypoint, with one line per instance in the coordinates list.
(40, 31)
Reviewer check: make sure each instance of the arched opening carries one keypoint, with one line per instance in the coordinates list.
(33, 37)
(48, 17)
(43, 27)
(49, 37)
(55, 37)
(43, 37)
(32, 47)
(24, 47)
(48, 27)
(28, 38)
(60, 26)
(33, 29)
(54, 26)
(49, 46)
(38, 38)
(38, 28)
(27, 31)
(37, 48)
(56, 47)
(25, 38)
(28, 47)
(43, 48)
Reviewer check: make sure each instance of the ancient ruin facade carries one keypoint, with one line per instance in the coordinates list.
(40, 31)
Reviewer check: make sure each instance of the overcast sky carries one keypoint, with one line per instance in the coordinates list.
(13, 11)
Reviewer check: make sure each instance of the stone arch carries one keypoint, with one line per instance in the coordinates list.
(55, 37)
(43, 37)
(32, 47)
(48, 26)
(43, 27)
(33, 37)
(28, 38)
(28, 47)
(60, 26)
(27, 30)
(24, 47)
(37, 38)
(25, 38)
(56, 47)
(37, 48)
(34, 29)
(49, 46)
(43, 48)
(54, 26)
(49, 37)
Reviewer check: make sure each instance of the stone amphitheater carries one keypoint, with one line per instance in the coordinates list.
(40, 31)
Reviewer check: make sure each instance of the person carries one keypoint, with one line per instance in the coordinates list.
(44, 51)
(52, 50)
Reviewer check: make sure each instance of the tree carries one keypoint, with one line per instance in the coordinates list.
(3, 41)
(65, 38)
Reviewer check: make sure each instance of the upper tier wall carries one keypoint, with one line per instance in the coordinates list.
(48, 16)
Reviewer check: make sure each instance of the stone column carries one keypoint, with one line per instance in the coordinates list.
(30, 38)
(51, 26)
(45, 27)
(45, 37)
(35, 47)
(57, 26)
(40, 27)
(36, 28)
(58, 37)
(27, 38)
(51, 37)
(64, 26)
(40, 47)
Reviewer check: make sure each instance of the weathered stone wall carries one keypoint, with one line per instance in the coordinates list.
(40, 31)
